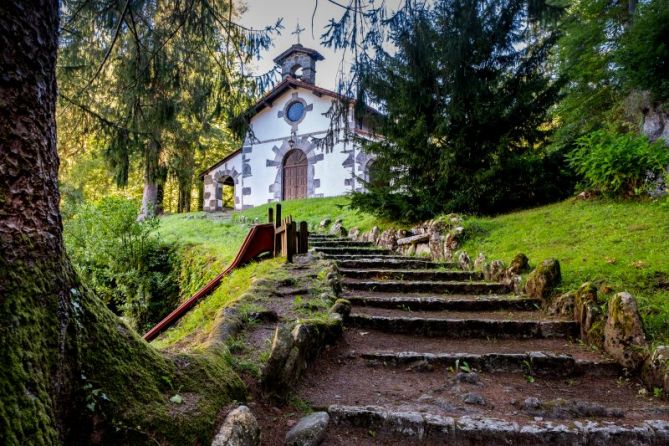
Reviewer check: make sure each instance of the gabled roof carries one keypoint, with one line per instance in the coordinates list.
(218, 163)
(292, 83)
(298, 48)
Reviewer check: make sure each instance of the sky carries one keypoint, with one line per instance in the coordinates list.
(261, 13)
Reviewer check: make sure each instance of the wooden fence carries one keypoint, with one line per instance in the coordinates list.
(290, 237)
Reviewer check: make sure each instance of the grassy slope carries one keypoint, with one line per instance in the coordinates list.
(621, 244)
(315, 209)
(207, 246)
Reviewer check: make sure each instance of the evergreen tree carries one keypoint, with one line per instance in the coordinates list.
(154, 74)
(464, 99)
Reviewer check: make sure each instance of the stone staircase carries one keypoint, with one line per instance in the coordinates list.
(435, 355)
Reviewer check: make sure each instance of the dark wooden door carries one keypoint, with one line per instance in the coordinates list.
(295, 175)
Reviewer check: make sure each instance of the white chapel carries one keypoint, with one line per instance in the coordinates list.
(290, 150)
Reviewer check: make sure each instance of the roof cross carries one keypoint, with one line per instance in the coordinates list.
(298, 31)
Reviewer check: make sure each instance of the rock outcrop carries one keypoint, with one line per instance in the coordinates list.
(543, 280)
(240, 428)
(624, 337)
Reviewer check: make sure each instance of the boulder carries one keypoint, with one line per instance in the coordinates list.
(465, 262)
(374, 234)
(655, 370)
(354, 233)
(338, 229)
(325, 223)
(309, 431)
(388, 239)
(240, 428)
(342, 307)
(563, 305)
(497, 271)
(624, 337)
(588, 313)
(480, 262)
(423, 250)
(520, 264)
(543, 279)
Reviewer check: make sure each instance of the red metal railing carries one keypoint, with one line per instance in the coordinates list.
(259, 240)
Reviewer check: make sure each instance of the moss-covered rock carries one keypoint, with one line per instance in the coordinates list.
(293, 346)
(624, 336)
(655, 370)
(563, 305)
(520, 264)
(342, 307)
(544, 279)
(588, 313)
(240, 428)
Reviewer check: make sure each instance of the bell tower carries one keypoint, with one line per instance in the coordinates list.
(299, 63)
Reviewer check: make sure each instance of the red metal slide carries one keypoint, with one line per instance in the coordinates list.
(259, 240)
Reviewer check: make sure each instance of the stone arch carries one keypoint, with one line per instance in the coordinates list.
(309, 148)
(225, 177)
(363, 161)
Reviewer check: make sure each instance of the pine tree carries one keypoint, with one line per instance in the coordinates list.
(464, 98)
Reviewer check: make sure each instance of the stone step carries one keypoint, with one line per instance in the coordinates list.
(367, 340)
(466, 325)
(338, 244)
(427, 286)
(538, 363)
(353, 250)
(452, 303)
(410, 274)
(390, 262)
(399, 426)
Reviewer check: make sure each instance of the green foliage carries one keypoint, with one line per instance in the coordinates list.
(644, 50)
(464, 97)
(618, 244)
(605, 54)
(619, 164)
(122, 260)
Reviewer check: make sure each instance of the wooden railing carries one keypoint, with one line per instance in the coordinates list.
(277, 239)
(290, 238)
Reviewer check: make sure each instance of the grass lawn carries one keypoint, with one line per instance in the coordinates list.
(313, 210)
(207, 247)
(624, 245)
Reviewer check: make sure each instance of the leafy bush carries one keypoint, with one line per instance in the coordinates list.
(123, 260)
(619, 164)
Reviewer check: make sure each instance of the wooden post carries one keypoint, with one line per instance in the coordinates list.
(303, 244)
(290, 241)
(277, 238)
(270, 213)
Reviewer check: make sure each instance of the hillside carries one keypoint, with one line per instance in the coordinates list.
(622, 245)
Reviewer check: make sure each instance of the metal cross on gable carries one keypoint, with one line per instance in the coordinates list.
(298, 31)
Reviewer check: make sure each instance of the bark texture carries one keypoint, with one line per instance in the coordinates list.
(35, 311)
(70, 371)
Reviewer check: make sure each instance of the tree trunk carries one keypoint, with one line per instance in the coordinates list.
(70, 371)
(151, 180)
(185, 186)
(35, 277)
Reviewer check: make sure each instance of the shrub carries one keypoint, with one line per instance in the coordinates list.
(619, 164)
(123, 260)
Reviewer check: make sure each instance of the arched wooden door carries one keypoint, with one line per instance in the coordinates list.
(295, 175)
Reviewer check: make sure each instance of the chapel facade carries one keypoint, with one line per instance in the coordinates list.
(290, 150)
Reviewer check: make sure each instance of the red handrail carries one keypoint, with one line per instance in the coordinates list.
(259, 240)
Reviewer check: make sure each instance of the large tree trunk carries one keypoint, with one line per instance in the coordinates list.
(35, 278)
(70, 371)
